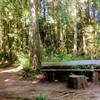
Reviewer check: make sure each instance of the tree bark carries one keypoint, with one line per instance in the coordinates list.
(1, 37)
(34, 37)
(74, 19)
(88, 30)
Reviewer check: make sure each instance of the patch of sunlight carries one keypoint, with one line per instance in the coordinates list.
(32, 1)
(50, 20)
(89, 28)
(11, 70)
(82, 1)
(9, 80)
(6, 80)
(35, 81)
(33, 12)
(49, 1)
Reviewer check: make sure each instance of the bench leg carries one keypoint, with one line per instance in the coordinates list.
(95, 77)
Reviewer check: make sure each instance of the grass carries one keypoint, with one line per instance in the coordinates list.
(41, 97)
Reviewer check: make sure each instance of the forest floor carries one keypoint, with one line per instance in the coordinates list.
(13, 87)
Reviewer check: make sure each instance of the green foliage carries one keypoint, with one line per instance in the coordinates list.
(28, 73)
(97, 57)
(47, 36)
(41, 97)
(14, 22)
(56, 32)
(65, 57)
(24, 62)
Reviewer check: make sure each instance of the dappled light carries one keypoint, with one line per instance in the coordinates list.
(13, 70)
(49, 49)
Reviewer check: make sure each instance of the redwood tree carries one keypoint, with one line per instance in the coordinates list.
(34, 36)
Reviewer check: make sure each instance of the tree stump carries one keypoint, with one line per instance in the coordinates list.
(77, 81)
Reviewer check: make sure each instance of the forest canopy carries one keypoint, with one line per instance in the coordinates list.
(55, 30)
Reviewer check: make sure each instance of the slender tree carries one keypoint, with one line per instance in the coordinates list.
(74, 20)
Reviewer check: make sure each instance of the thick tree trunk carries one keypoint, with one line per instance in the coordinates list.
(34, 37)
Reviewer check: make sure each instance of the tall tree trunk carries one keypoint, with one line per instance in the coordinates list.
(1, 37)
(88, 30)
(83, 23)
(34, 37)
(95, 30)
(74, 19)
(58, 27)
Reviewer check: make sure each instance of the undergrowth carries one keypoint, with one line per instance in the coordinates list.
(24, 62)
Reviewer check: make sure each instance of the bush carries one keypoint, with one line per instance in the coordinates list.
(28, 73)
(24, 62)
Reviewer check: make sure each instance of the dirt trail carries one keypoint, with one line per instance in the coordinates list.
(13, 88)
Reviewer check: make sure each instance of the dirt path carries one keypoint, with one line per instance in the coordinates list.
(13, 88)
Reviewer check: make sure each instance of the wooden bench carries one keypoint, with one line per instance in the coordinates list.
(51, 68)
(70, 63)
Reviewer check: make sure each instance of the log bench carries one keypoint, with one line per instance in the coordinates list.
(54, 70)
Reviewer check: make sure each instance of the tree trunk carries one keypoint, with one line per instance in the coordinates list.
(95, 30)
(1, 37)
(87, 30)
(74, 19)
(34, 37)
(59, 30)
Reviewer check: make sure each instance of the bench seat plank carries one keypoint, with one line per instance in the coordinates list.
(71, 63)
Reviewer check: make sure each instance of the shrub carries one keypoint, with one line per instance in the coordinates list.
(41, 97)
(24, 62)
